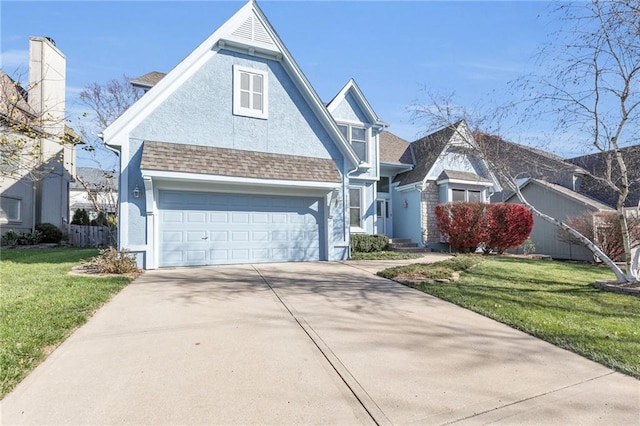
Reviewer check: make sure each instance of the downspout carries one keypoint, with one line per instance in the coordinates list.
(347, 229)
(117, 153)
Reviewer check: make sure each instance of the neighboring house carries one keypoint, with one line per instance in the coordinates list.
(233, 158)
(37, 190)
(94, 190)
(439, 168)
(560, 203)
(596, 165)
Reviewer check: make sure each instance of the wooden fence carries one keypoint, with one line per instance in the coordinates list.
(91, 236)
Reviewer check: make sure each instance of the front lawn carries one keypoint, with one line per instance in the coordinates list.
(40, 305)
(385, 255)
(550, 300)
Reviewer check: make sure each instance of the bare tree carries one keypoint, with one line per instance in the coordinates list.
(105, 102)
(23, 130)
(592, 89)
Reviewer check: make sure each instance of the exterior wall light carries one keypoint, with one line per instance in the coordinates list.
(136, 192)
(405, 203)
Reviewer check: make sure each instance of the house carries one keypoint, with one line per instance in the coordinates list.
(560, 203)
(438, 168)
(595, 164)
(94, 190)
(39, 159)
(232, 157)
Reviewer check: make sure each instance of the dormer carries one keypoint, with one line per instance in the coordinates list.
(358, 123)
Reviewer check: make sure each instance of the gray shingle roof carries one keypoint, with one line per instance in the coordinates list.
(426, 152)
(149, 79)
(595, 164)
(394, 150)
(467, 176)
(236, 163)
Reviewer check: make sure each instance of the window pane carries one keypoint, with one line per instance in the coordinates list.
(257, 83)
(457, 195)
(257, 101)
(379, 208)
(358, 134)
(354, 216)
(383, 184)
(244, 99)
(354, 197)
(11, 208)
(361, 149)
(344, 130)
(475, 196)
(244, 81)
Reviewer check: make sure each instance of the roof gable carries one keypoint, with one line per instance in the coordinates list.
(565, 192)
(248, 31)
(351, 93)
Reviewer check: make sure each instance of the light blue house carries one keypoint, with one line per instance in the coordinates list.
(232, 157)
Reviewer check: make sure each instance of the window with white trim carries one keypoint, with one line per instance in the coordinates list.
(357, 136)
(250, 94)
(470, 195)
(355, 207)
(11, 208)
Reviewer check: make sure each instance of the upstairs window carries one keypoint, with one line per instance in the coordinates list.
(250, 92)
(357, 137)
(383, 184)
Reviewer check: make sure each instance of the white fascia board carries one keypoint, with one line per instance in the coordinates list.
(195, 177)
(409, 187)
(174, 79)
(362, 102)
(464, 182)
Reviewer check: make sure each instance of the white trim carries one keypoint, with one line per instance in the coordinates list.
(463, 182)
(238, 109)
(363, 103)
(357, 229)
(195, 177)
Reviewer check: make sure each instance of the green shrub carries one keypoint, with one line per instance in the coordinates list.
(101, 220)
(112, 261)
(50, 233)
(30, 238)
(11, 238)
(80, 217)
(365, 243)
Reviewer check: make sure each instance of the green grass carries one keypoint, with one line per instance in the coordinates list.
(385, 255)
(555, 302)
(40, 305)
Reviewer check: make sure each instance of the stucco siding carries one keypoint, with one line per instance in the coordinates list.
(348, 110)
(200, 112)
(545, 235)
(136, 207)
(458, 162)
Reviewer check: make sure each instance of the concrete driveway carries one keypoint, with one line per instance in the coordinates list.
(307, 343)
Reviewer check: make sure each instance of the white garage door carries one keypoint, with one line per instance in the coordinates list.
(201, 228)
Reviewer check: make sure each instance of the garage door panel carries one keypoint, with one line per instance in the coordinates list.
(209, 228)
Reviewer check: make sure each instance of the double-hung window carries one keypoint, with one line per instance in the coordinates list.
(250, 92)
(357, 137)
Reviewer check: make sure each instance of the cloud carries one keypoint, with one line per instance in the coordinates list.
(13, 59)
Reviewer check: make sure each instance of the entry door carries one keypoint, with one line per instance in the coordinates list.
(383, 224)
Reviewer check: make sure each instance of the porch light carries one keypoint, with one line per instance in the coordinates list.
(405, 203)
(136, 192)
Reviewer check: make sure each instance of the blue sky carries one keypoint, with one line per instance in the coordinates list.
(392, 49)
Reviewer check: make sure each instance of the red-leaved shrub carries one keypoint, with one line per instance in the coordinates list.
(509, 225)
(463, 225)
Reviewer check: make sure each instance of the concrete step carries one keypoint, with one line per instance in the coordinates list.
(399, 240)
(397, 245)
(411, 249)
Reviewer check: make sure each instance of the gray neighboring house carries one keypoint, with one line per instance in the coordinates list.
(560, 203)
(25, 201)
(100, 189)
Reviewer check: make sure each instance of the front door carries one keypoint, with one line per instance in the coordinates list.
(383, 224)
